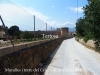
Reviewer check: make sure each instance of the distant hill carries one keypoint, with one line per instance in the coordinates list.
(72, 29)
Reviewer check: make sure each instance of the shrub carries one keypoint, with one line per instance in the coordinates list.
(86, 39)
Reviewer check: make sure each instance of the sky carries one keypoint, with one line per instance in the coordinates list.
(56, 13)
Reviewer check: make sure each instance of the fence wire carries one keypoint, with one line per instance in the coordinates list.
(15, 15)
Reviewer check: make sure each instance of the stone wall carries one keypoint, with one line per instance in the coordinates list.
(27, 57)
(9, 49)
(64, 31)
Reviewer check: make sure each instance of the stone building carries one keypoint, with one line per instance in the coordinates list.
(64, 31)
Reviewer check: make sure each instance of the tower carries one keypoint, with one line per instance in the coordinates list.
(64, 31)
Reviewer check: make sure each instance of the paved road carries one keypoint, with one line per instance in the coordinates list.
(72, 58)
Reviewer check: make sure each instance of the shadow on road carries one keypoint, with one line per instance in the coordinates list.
(50, 58)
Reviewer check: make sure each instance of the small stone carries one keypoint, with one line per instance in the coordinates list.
(40, 64)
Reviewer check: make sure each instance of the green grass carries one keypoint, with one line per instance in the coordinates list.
(22, 41)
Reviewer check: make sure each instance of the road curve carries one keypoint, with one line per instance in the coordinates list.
(72, 58)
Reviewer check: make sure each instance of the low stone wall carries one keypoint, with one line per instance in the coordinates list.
(9, 49)
(27, 57)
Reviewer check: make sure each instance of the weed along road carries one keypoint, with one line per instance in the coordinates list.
(72, 58)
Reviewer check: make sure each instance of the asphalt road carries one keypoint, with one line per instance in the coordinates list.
(72, 58)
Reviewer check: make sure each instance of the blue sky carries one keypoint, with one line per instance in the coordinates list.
(57, 13)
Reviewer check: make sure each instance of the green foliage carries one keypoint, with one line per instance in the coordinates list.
(27, 35)
(89, 26)
(40, 36)
(80, 27)
(14, 31)
(86, 38)
(92, 13)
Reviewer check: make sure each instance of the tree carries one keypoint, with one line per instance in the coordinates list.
(31, 35)
(80, 27)
(14, 31)
(92, 13)
(92, 21)
(27, 35)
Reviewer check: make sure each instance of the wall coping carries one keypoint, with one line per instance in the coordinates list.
(10, 49)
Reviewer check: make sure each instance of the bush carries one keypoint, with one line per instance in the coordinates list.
(86, 39)
(27, 35)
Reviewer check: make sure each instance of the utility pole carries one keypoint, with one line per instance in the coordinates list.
(34, 27)
(6, 31)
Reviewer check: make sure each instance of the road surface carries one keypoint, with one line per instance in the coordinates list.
(72, 58)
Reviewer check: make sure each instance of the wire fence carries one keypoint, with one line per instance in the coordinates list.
(15, 15)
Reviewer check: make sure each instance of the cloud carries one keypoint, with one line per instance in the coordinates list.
(47, 20)
(14, 15)
(37, 14)
(69, 24)
(66, 24)
(42, 17)
(52, 6)
(75, 9)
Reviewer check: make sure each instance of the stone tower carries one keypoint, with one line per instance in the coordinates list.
(64, 31)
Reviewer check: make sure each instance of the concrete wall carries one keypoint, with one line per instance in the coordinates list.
(27, 56)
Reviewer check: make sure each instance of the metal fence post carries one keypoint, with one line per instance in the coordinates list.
(46, 26)
(34, 27)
